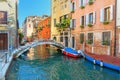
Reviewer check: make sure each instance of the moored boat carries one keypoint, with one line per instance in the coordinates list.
(70, 52)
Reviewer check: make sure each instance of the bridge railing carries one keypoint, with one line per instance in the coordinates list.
(51, 42)
(3, 59)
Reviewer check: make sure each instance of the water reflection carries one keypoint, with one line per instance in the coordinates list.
(45, 63)
(41, 52)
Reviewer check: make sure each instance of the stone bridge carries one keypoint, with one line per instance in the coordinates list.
(23, 49)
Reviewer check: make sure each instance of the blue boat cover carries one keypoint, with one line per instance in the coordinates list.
(70, 50)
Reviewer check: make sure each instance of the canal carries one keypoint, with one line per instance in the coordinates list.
(46, 63)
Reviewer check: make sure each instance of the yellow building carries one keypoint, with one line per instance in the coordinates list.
(59, 9)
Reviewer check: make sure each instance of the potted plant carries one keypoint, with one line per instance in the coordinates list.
(106, 22)
(82, 7)
(90, 25)
(81, 26)
(105, 43)
(81, 41)
(89, 41)
(72, 28)
(72, 11)
(90, 2)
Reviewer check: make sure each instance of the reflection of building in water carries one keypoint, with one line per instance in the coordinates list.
(52, 49)
(31, 54)
(43, 51)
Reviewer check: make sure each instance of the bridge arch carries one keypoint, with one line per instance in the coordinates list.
(37, 43)
(51, 42)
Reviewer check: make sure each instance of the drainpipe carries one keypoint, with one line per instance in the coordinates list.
(115, 27)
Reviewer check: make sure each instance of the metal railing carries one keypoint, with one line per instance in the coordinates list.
(3, 59)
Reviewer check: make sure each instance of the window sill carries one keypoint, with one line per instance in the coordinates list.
(82, 7)
(90, 25)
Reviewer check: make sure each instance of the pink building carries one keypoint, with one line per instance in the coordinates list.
(93, 26)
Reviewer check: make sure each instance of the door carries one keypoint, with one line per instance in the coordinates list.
(73, 42)
(66, 41)
(3, 41)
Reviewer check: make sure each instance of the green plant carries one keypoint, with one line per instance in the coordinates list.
(106, 22)
(21, 36)
(72, 28)
(82, 7)
(81, 26)
(81, 41)
(89, 41)
(72, 11)
(105, 43)
(90, 25)
(90, 2)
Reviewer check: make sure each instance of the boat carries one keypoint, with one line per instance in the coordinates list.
(71, 52)
(102, 63)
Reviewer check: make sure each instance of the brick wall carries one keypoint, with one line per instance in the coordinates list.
(97, 28)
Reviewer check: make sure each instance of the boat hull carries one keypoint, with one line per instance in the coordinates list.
(71, 54)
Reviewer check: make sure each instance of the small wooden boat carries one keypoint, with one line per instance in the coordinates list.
(70, 52)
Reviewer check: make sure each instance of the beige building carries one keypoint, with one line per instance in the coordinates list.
(8, 25)
(29, 26)
(59, 9)
(8, 33)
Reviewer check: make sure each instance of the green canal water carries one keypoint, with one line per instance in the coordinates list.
(46, 63)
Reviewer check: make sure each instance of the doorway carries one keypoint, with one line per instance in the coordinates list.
(73, 42)
(66, 41)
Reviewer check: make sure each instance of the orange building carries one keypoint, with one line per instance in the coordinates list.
(44, 28)
(93, 26)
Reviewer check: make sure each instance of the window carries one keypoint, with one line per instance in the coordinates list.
(90, 38)
(60, 19)
(106, 38)
(106, 14)
(65, 16)
(82, 3)
(65, 33)
(90, 2)
(54, 22)
(54, 9)
(81, 38)
(91, 18)
(54, 38)
(29, 25)
(65, 5)
(72, 23)
(82, 21)
(73, 6)
(28, 20)
(61, 38)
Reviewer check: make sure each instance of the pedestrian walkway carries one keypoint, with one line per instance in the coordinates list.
(105, 58)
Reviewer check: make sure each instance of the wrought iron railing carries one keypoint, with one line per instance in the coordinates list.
(3, 59)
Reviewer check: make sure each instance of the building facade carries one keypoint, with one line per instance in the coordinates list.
(8, 25)
(60, 9)
(117, 28)
(29, 27)
(44, 28)
(93, 26)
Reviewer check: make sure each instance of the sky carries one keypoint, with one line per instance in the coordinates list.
(31, 8)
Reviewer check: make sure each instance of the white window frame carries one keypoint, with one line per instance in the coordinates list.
(82, 20)
(87, 37)
(94, 18)
(82, 4)
(102, 36)
(84, 36)
(111, 13)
